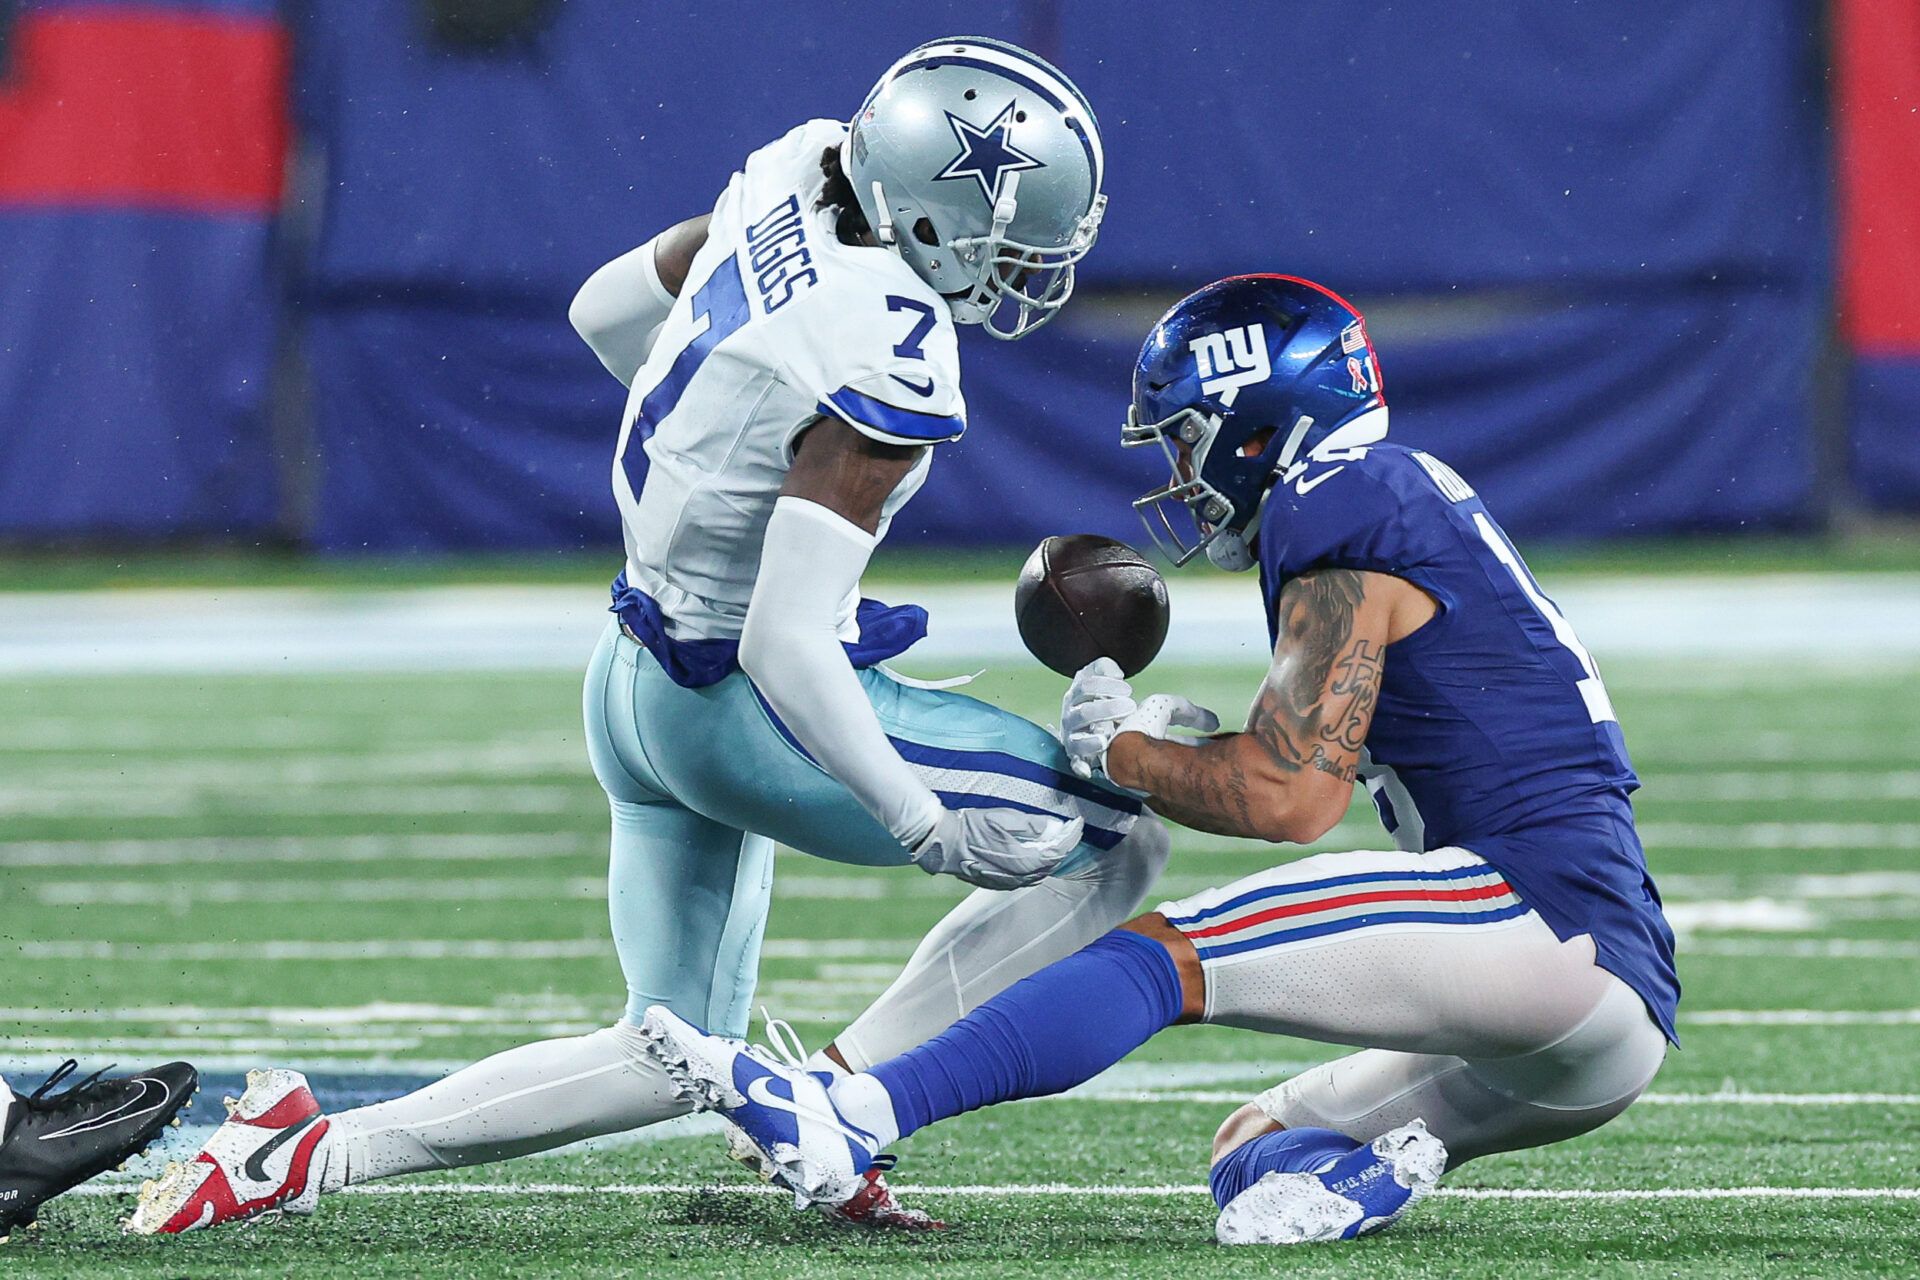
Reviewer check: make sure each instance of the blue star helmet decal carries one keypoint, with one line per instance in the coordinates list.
(986, 154)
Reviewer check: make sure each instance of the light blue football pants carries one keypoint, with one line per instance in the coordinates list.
(704, 782)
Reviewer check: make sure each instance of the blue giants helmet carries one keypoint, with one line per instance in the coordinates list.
(1239, 383)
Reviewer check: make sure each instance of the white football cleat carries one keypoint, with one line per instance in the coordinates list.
(809, 1148)
(260, 1161)
(1362, 1192)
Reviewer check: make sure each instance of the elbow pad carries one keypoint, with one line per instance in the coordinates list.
(619, 310)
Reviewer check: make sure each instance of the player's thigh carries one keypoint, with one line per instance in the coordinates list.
(1418, 952)
(1485, 1106)
(688, 899)
(610, 720)
(974, 754)
(722, 751)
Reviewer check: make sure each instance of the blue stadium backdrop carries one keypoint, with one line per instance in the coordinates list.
(1595, 243)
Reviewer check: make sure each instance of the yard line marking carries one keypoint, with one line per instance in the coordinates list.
(1781, 835)
(1719, 1098)
(427, 949)
(246, 772)
(399, 800)
(333, 1015)
(1756, 915)
(167, 851)
(1072, 1190)
(78, 893)
(1805, 949)
(1847, 884)
(1784, 784)
(1802, 1018)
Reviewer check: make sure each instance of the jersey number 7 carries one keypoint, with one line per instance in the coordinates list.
(719, 309)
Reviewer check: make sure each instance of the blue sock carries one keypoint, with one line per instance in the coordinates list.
(1288, 1151)
(1044, 1034)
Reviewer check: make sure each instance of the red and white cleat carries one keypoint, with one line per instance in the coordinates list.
(261, 1160)
(874, 1208)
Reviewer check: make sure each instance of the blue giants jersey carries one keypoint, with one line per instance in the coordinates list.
(1493, 731)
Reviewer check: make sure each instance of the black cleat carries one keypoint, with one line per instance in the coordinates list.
(55, 1141)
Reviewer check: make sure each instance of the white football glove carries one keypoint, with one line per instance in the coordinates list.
(1158, 716)
(1096, 702)
(997, 848)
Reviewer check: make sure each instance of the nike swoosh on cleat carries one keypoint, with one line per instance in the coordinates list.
(131, 1109)
(760, 1093)
(915, 387)
(256, 1165)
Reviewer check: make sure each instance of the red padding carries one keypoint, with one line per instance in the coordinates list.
(144, 108)
(1878, 48)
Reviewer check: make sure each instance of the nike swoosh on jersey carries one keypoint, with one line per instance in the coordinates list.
(915, 387)
(131, 1109)
(256, 1165)
(760, 1093)
(1306, 486)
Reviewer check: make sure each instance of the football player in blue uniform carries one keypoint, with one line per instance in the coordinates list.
(1506, 971)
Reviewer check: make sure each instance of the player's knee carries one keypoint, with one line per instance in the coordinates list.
(1186, 961)
(1240, 1128)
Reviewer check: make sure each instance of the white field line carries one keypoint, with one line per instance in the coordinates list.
(1751, 915)
(1720, 1098)
(1801, 949)
(1847, 884)
(130, 802)
(77, 893)
(774, 949)
(1802, 1018)
(165, 851)
(424, 949)
(376, 1012)
(1077, 1191)
(170, 851)
(1782, 784)
(312, 769)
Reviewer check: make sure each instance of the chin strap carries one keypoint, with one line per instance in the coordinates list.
(883, 232)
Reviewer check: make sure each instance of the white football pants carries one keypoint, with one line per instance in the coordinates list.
(545, 1095)
(1473, 1015)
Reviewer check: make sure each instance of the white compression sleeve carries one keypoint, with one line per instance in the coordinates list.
(809, 567)
(620, 309)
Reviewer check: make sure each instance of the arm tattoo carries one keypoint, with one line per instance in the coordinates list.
(1313, 712)
(1204, 787)
(1317, 702)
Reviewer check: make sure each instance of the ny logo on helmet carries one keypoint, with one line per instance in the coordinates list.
(1232, 359)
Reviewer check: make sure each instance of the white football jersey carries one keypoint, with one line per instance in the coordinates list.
(777, 324)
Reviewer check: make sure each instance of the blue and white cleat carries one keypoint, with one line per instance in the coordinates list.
(1356, 1194)
(785, 1112)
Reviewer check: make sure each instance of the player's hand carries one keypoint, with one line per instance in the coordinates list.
(1097, 701)
(997, 848)
(1159, 716)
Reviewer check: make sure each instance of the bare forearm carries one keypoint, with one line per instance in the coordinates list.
(1204, 785)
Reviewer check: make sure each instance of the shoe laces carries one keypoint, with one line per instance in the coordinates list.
(783, 1042)
(74, 1096)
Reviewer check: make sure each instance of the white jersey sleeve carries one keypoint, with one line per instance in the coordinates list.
(881, 355)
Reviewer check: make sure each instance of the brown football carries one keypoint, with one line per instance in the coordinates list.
(1082, 596)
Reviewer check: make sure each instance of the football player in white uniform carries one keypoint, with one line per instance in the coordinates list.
(793, 365)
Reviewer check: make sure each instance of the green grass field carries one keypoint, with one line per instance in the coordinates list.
(380, 877)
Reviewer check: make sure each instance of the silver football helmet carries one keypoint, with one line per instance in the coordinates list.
(980, 164)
